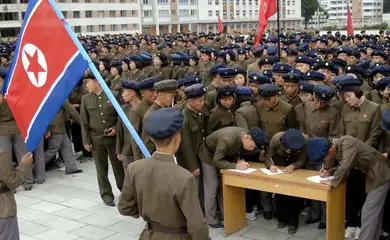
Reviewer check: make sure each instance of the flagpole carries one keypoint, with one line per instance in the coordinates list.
(102, 83)
(278, 26)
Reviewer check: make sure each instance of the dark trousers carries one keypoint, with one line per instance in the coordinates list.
(355, 197)
(386, 215)
(287, 209)
(252, 196)
(77, 139)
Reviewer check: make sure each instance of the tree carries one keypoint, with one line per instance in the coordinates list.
(308, 8)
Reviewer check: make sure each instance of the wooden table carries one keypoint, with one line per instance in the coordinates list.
(296, 184)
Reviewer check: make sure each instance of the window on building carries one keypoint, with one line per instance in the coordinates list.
(250, 13)
(88, 14)
(101, 1)
(162, 1)
(224, 14)
(237, 13)
(77, 29)
(194, 12)
(146, 2)
(123, 13)
(102, 28)
(210, 13)
(256, 13)
(112, 13)
(293, 12)
(147, 13)
(65, 13)
(134, 13)
(113, 28)
(134, 26)
(244, 13)
(61, 1)
(124, 27)
(293, 3)
(288, 12)
(288, 3)
(216, 2)
(163, 13)
(75, 1)
(184, 12)
(183, 1)
(76, 14)
(210, 2)
(111, 1)
(23, 14)
(250, 2)
(101, 14)
(89, 28)
(87, 1)
(243, 2)
(193, 2)
(217, 13)
(173, 12)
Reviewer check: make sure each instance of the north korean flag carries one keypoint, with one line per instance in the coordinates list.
(46, 67)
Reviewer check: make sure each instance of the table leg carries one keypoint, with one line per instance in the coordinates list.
(335, 214)
(234, 209)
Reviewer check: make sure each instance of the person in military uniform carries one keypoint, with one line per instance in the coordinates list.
(137, 113)
(147, 64)
(306, 96)
(314, 77)
(359, 118)
(58, 140)
(166, 92)
(257, 53)
(302, 63)
(328, 69)
(278, 70)
(246, 115)
(221, 150)
(350, 152)
(194, 130)
(215, 77)
(288, 150)
(116, 70)
(383, 91)
(130, 96)
(226, 78)
(205, 66)
(162, 70)
(241, 61)
(135, 73)
(98, 129)
(177, 214)
(125, 68)
(10, 179)
(223, 114)
(194, 68)
(240, 77)
(255, 81)
(290, 87)
(182, 84)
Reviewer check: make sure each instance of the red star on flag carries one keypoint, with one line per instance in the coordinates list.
(34, 67)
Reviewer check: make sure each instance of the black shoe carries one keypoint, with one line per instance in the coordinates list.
(322, 225)
(311, 221)
(292, 229)
(281, 224)
(29, 188)
(110, 203)
(267, 215)
(74, 172)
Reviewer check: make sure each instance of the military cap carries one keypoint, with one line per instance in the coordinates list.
(259, 137)
(258, 78)
(231, 53)
(303, 59)
(314, 75)
(148, 83)
(240, 91)
(195, 90)
(214, 69)
(339, 63)
(188, 81)
(248, 47)
(382, 69)
(267, 73)
(317, 149)
(145, 58)
(293, 77)
(171, 117)
(226, 72)
(266, 60)
(162, 56)
(325, 65)
(268, 90)
(292, 52)
(225, 90)
(116, 63)
(130, 84)
(303, 47)
(271, 39)
(382, 84)
(184, 57)
(240, 71)
(194, 57)
(175, 57)
(200, 48)
(169, 44)
(305, 87)
(312, 53)
(354, 53)
(205, 51)
(281, 68)
(126, 60)
(135, 43)
(344, 83)
(345, 50)
(272, 50)
(379, 53)
(293, 140)
(239, 39)
(356, 69)
(258, 51)
(323, 93)
(135, 58)
(3, 72)
(241, 51)
(168, 85)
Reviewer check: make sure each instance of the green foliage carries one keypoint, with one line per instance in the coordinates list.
(308, 8)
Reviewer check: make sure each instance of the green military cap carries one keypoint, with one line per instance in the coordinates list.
(168, 85)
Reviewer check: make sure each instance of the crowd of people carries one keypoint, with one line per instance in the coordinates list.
(300, 100)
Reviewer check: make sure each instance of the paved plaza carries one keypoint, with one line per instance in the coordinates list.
(68, 207)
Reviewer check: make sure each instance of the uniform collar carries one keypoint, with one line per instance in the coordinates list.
(247, 103)
(163, 157)
(274, 108)
(360, 104)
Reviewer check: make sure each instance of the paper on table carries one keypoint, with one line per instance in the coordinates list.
(268, 172)
(317, 178)
(249, 170)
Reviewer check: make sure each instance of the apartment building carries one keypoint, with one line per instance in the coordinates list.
(154, 16)
(364, 12)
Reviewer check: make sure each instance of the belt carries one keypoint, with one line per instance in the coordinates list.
(4, 189)
(160, 228)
